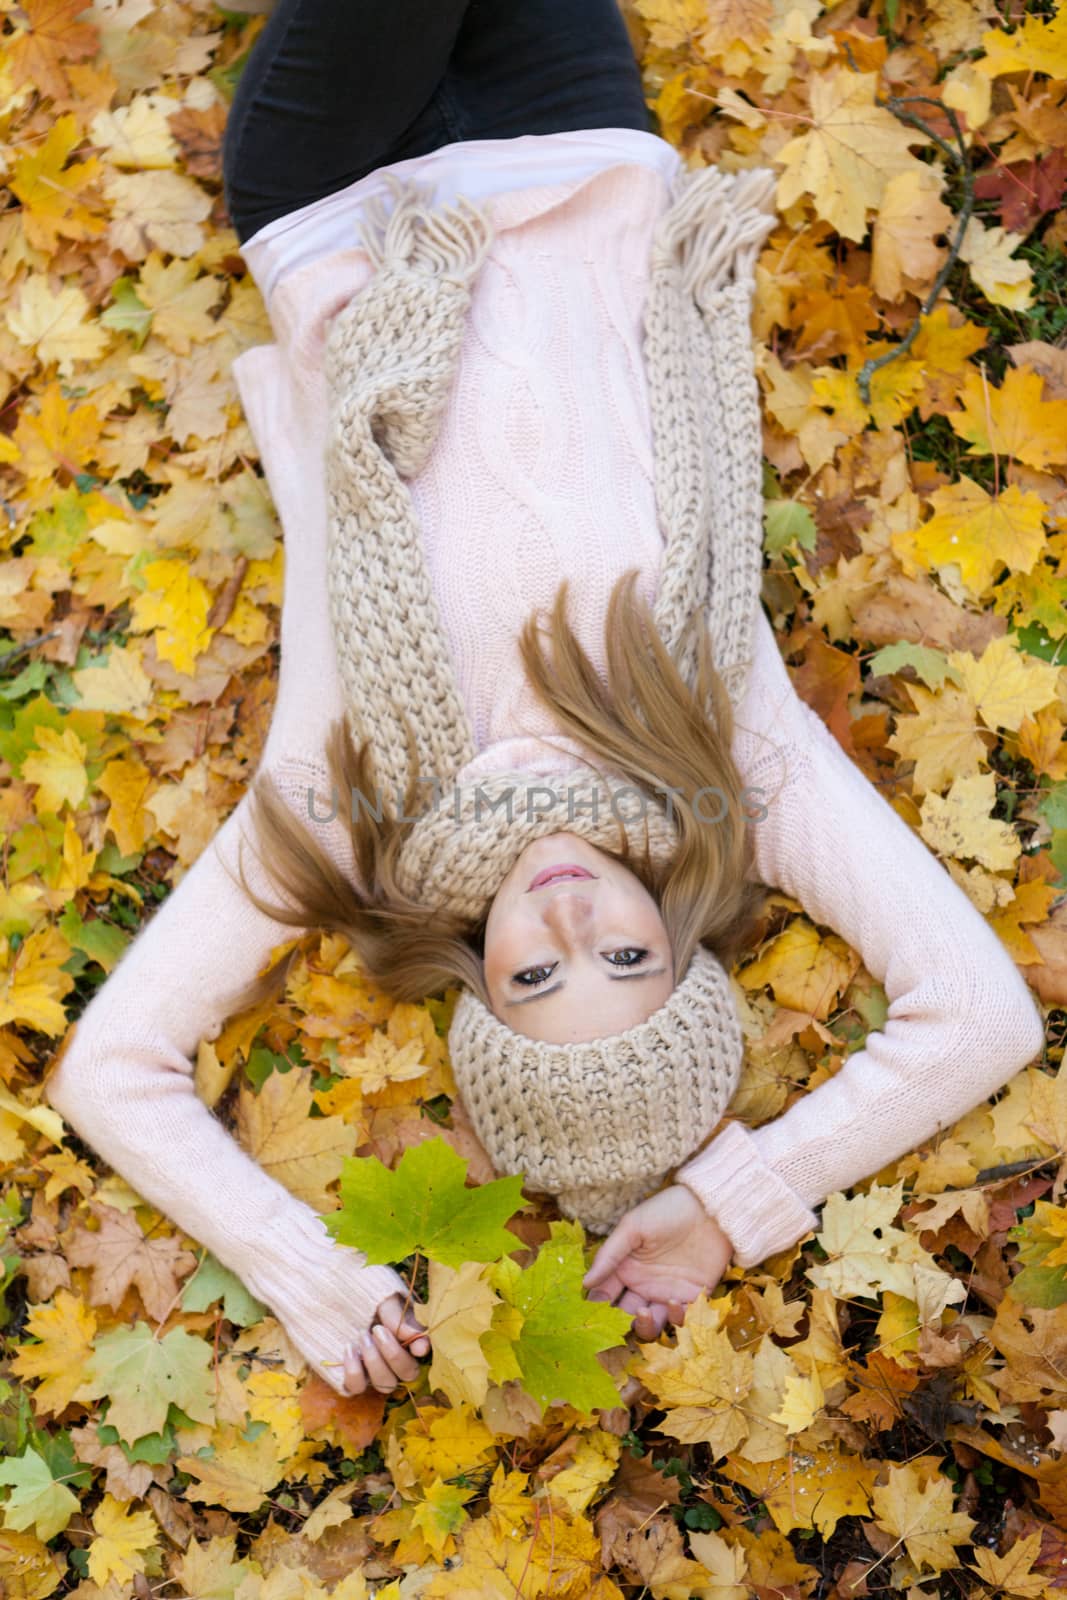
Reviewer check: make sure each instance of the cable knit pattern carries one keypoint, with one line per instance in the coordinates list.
(566, 260)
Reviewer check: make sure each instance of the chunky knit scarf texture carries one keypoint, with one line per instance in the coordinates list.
(597, 1124)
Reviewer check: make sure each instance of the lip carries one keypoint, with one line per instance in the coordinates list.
(571, 868)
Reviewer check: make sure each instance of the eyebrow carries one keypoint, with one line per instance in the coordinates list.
(622, 977)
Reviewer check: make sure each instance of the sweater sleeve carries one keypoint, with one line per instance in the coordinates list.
(961, 1020)
(125, 1081)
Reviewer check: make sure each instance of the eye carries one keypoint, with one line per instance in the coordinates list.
(638, 954)
(532, 977)
(529, 977)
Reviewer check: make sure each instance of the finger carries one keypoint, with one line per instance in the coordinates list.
(404, 1327)
(615, 1248)
(404, 1365)
(415, 1339)
(657, 1318)
(609, 1289)
(380, 1373)
(676, 1310)
(648, 1320)
(355, 1376)
(633, 1302)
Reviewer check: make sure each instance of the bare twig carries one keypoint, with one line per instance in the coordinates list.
(897, 104)
(28, 644)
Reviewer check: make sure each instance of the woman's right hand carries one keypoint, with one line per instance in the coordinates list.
(385, 1355)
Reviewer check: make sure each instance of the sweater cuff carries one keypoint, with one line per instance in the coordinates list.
(322, 1292)
(756, 1209)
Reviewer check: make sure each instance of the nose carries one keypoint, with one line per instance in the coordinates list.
(568, 913)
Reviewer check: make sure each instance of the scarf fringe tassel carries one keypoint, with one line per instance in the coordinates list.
(715, 228)
(434, 241)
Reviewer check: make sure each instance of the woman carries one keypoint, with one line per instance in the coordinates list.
(531, 384)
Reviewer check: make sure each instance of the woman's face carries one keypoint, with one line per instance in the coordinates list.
(579, 957)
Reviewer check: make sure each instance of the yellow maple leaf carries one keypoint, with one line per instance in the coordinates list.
(726, 1566)
(156, 210)
(702, 1381)
(1048, 1121)
(944, 345)
(802, 1401)
(790, 398)
(37, 55)
(118, 683)
(64, 1330)
(137, 135)
(980, 532)
(41, 1117)
(1005, 684)
(51, 196)
(75, 867)
(990, 254)
(673, 23)
(59, 436)
(439, 1515)
(905, 257)
(961, 824)
(868, 1254)
(459, 1309)
(594, 1464)
(382, 1063)
(1040, 45)
(1041, 743)
(1013, 1572)
(273, 1398)
(915, 1507)
(211, 1568)
(122, 1539)
(33, 982)
(301, 1152)
(240, 1474)
(57, 767)
(1014, 420)
(181, 299)
(440, 1440)
(53, 323)
(729, 23)
(126, 782)
(804, 970)
(969, 90)
(509, 1505)
(811, 1486)
(184, 811)
(852, 150)
(942, 738)
(175, 607)
(1031, 904)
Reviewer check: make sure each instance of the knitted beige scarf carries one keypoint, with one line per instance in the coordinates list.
(601, 1123)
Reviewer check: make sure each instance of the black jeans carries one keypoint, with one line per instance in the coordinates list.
(336, 88)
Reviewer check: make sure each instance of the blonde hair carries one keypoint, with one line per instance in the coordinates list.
(641, 720)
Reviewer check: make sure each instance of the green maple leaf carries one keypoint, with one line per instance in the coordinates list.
(212, 1281)
(423, 1204)
(561, 1333)
(143, 1376)
(127, 312)
(37, 1500)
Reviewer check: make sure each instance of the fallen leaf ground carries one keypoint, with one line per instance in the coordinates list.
(822, 1425)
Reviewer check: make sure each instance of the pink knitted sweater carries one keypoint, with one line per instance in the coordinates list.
(543, 467)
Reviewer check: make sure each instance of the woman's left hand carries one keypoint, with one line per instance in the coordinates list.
(658, 1257)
